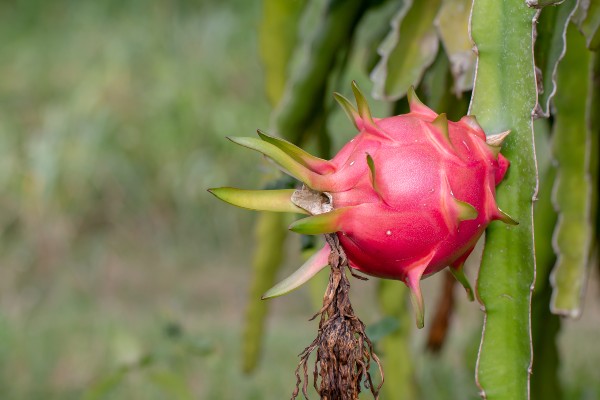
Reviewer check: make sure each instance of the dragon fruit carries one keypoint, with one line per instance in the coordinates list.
(407, 197)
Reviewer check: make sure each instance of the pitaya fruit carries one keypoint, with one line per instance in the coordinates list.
(407, 197)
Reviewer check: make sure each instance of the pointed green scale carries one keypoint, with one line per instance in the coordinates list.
(416, 298)
(507, 219)
(348, 108)
(315, 164)
(495, 142)
(413, 281)
(363, 107)
(497, 139)
(309, 269)
(471, 122)
(416, 106)
(441, 123)
(263, 200)
(289, 164)
(466, 211)
(371, 165)
(414, 103)
(320, 224)
(459, 275)
(495, 150)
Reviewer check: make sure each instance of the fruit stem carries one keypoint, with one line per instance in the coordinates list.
(343, 350)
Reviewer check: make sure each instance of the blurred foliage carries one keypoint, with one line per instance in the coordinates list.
(112, 114)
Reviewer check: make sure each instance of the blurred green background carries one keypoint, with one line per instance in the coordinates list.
(120, 276)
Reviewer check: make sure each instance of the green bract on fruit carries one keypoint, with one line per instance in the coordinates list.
(407, 197)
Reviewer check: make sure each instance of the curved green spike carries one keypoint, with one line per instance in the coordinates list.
(310, 268)
(311, 162)
(413, 99)
(263, 200)
(289, 164)
(459, 274)
(413, 281)
(441, 123)
(415, 105)
(507, 219)
(466, 211)
(322, 223)
(363, 107)
(347, 107)
(371, 165)
(416, 298)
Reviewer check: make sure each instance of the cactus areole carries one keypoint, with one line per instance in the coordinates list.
(407, 197)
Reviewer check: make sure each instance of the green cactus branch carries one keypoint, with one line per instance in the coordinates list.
(587, 19)
(452, 24)
(270, 238)
(545, 379)
(396, 346)
(572, 195)
(504, 97)
(299, 105)
(278, 34)
(550, 48)
(407, 51)
(545, 326)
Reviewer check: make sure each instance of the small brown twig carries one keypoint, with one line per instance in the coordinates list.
(343, 350)
(441, 321)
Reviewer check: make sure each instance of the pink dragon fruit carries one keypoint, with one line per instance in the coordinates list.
(407, 197)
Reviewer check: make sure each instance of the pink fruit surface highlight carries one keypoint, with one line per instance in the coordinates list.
(407, 197)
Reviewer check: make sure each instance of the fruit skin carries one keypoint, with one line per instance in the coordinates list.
(411, 194)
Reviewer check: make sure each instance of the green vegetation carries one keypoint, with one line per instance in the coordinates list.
(120, 277)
